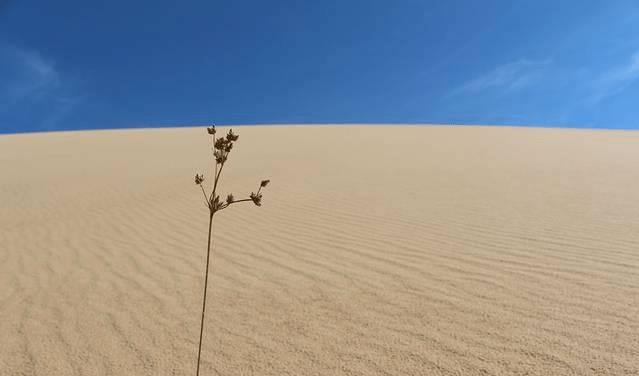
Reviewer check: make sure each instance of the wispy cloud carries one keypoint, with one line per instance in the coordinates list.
(507, 78)
(30, 76)
(615, 80)
(32, 89)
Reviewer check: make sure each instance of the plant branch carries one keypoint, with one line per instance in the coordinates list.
(212, 193)
(245, 199)
(233, 202)
(208, 204)
(217, 177)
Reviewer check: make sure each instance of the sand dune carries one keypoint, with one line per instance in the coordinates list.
(379, 250)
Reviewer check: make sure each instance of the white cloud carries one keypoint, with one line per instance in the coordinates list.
(615, 80)
(31, 84)
(627, 72)
(508, 78)
(30, 76)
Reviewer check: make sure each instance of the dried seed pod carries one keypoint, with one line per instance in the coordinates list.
(220, 144)
(231, 137)
(256, 198)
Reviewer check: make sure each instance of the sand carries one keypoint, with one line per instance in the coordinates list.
(379, 250)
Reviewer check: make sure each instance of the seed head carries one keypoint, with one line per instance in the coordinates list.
(264, 183)
(219, 157)
(211, 129)
(256, 198)
(216, 203)
(220, 144)
(231, 137)
(199, 179)
(229, 198)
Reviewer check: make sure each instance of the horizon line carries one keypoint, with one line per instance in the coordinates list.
(177, 126)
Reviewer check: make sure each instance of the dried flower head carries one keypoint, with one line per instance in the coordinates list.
(264, 183)
(219, 157)
(229, 198)
(216, 203)
(211, 129)
(199, 179)
(231, 137)
(256, 198)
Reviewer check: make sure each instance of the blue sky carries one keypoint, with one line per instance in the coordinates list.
(116, 64)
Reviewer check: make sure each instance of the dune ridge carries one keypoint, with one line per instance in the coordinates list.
(386, 250)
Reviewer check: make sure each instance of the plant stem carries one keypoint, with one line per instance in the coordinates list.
(217, 177)
(246, 199)
(206, 282)
(214, 175)
(205, 198)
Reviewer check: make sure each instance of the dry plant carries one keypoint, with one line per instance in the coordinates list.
(221, 148)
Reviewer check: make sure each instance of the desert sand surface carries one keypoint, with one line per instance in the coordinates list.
(378, 250)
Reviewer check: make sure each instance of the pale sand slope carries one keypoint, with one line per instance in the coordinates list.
(379, 250)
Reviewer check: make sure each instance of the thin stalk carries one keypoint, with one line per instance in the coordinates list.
(205, 199)
(217, 177)
(206, 282)
(236, 201)
(215, 174)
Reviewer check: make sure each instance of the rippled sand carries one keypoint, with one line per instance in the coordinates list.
(379, 250)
